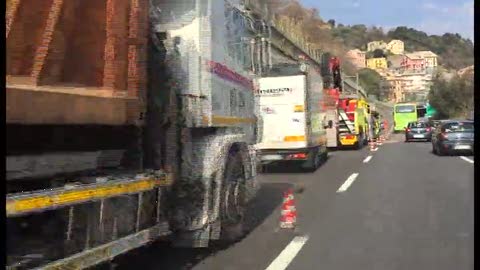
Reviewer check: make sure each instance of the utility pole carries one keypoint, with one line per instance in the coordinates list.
(356, 75)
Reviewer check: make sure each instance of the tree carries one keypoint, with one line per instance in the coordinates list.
(453, 98)
(331, 22)
(371, 81)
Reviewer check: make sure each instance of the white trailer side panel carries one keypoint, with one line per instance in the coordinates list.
(279, 97)
(315, 113)
(210, 62)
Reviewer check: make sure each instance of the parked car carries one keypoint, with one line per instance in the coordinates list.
(454, 136)
(418, 131)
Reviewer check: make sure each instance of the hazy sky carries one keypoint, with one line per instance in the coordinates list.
(430, 16)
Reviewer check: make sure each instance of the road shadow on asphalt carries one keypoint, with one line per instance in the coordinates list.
(160, 254)
(286, 167)
(346, 149)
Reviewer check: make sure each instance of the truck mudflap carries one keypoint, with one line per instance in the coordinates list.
(348, 139)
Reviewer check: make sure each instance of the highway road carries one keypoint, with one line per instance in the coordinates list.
(400, 207)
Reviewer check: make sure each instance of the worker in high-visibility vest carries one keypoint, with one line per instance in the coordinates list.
(377, 127)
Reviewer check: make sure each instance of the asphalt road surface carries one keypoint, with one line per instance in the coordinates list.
(400, 207)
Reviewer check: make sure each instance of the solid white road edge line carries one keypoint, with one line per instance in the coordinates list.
(367, 159)
(467, 159)
(288, 254)
(348, 182)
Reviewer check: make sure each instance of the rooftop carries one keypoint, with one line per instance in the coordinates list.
(424, 54)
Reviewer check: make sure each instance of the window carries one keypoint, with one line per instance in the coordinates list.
(458, 127)
(405, 109)
(418, 125)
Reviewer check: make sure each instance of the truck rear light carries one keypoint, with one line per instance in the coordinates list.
(350, 137)
(294, 138)
(298, 156)
(407, 129)
(299, 108)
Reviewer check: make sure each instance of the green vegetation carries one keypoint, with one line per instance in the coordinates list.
(370, 80)
(452, 98)
(453, 50)
(378, 53)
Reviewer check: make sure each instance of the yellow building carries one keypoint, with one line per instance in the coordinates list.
(372, 46)
(396, 46)
(377, 63)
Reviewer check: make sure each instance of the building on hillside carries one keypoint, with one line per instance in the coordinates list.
(396, 46)
(413, 62)
(394, 62)
(431, 60)
(377, 63)
(408, 86)
(357, 57)
(372, 46)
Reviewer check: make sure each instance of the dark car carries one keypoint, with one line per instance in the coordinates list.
(455, 136)
(418, 131)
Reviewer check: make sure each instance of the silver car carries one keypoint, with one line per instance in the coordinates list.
(453, 136)
(418, 131)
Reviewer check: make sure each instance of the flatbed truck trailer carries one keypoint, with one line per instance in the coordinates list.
(79, 95)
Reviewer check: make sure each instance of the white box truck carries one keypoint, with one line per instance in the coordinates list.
(290, 97)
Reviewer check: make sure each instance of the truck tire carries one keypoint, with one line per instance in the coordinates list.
(233, 199)
(313, 164)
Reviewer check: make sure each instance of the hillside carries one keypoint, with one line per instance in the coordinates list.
(454, 51)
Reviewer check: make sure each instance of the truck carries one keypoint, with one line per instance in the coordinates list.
(290, 98)
(80, 113)
(347, 114)
(353, 114)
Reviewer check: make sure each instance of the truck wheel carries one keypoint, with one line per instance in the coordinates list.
(314, 163)
(233, 199)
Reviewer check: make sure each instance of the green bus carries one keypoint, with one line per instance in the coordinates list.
(404, 113)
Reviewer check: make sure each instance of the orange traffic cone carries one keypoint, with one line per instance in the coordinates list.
(288, 216)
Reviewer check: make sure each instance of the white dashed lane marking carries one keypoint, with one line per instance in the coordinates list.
(367, 159)
(467, 159)
(347, 183)
(288, 254)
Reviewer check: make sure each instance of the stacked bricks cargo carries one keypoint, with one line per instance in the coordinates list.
(89, 67)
